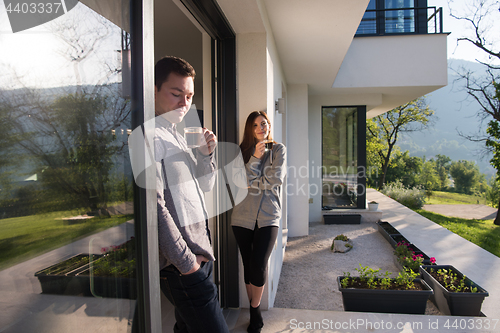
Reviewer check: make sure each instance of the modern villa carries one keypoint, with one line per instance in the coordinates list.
(319, 68)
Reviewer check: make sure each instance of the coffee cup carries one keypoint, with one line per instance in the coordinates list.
(193, 136)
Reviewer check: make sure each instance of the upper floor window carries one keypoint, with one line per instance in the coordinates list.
(387, 17)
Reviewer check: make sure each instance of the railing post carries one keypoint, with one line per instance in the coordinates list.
(440, 20)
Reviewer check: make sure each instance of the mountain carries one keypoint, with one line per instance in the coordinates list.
(455, 112)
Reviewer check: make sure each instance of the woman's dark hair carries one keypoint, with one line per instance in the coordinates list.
(169, 64)
(249, 140)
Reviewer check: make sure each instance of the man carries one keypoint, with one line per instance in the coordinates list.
(183, 174)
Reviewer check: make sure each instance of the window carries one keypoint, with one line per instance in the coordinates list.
(388, 17)
(66, 182)
(343, 157)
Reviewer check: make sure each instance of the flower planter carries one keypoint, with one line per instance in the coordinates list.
(395, 239)
(386, 301)
(342, 218)
(454, 303)
(72, 277)
(373, 207)
(386, 230)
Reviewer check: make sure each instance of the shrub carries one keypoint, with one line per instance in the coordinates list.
(413, 198)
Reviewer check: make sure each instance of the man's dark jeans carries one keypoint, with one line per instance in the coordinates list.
(194, 297)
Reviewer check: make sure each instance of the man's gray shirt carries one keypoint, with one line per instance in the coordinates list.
(182, 175)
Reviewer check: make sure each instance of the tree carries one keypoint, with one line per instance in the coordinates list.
(410, 117)
(429, 178)
(66, 133)
(466, 176)
(442, 166)
(480, 16)
(404, 168)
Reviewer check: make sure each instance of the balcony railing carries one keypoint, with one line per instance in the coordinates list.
(396, 21)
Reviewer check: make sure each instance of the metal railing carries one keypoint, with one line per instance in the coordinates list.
(394, 21)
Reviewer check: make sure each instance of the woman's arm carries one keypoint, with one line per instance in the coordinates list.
(272, 176)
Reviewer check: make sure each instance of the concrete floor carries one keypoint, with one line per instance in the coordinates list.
(24, 309)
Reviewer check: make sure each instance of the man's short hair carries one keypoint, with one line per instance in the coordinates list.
(169, 64)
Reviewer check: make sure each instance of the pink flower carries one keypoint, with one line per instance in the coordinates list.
(104, 249)
(433, 260)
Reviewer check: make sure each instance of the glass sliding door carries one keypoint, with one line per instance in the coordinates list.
(67, 246)
(342, 152)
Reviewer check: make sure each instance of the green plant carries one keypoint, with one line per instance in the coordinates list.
(407, 257)
(413, 198)
(341, 237)
(117, 261)
(406, 277)
(373, 279)
(451, 281)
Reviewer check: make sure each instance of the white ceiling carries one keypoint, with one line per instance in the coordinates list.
(312, 36)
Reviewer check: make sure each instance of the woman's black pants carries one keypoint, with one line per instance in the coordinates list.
(255, 247)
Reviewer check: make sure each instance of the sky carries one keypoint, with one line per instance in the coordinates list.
(40, 59)
(459, 28)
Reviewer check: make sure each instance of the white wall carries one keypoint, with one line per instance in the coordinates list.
(388, 71)
(298, 154)
(259, 79)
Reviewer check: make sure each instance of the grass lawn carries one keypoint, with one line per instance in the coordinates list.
(480, 232)
(450, 198)
(25, 237)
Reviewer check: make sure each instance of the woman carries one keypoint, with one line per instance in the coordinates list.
(255, 221)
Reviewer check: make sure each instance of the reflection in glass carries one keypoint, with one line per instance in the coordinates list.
(339, 157)
(65, 181)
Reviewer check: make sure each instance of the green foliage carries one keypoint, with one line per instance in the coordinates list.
(407, 257)
(413, 198)
(25, 237)
(492, 193)
(442, 167)
(341, 237)
(117, 261)
(373, 279)
(67, 143)
(452, 282)
(384, 129)
(429, 178)
(404, 168)
(466, 176)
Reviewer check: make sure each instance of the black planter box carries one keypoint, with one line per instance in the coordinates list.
(385, 301)
(342, 218)
(395, 239)
(454, 303)
(77, 281)
(387, 230)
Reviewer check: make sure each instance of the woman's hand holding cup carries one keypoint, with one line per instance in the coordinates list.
(260, 149)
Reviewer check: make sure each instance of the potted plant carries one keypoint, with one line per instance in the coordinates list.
(454, 293)
(110, 274)
(341, 243)
(407, 255)
(374, 292)
(372, 205)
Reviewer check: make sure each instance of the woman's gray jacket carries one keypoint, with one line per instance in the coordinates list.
(264, 179)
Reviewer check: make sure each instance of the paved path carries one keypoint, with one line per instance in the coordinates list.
(480, 212)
